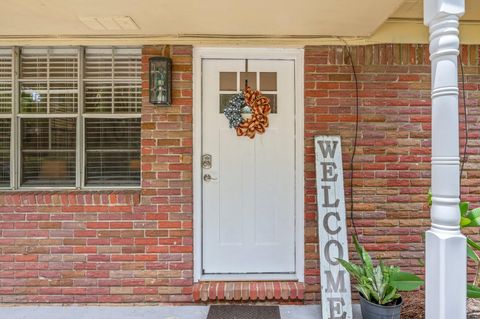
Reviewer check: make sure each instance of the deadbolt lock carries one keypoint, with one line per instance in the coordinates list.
(206, 161)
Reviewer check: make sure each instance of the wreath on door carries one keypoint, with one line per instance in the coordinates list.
(247, 112)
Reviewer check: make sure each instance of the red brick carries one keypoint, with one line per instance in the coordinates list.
(84, 243)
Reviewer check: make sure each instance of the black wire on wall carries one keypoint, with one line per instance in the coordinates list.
(354, 150)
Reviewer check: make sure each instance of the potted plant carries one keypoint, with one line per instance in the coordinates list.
(379, 286)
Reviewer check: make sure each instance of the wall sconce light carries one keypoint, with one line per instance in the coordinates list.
(160, 72)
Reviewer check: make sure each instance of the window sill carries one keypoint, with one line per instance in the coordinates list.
(69, 197)
(62, 189)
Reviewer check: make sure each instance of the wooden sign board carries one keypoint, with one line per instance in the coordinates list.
(332, 230)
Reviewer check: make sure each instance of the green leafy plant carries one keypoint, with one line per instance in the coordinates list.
(380, 284)
(469, 218)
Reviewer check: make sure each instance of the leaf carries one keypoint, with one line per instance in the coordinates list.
(391, 295)
(473, 291)
(464, 221)
(405, 281)
(472, 254)
(352, 269)
(473, 244)
(365, 292)
(365, 257)
(464, 208)
(474, 216)
(378, 282)
(358, 248)
(421, 262)
(429, 198)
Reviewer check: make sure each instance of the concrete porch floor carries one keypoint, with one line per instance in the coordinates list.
(143, 312)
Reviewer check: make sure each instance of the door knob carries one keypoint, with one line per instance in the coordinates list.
(208, 178)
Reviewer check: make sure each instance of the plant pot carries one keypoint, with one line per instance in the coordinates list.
(372, 310)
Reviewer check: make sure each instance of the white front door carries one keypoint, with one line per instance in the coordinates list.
(248, 213)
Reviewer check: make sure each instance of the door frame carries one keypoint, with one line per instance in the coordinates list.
(297, 55)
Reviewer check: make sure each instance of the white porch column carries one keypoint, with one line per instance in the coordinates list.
(445, 245)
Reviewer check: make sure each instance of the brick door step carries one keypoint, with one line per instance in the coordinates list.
(248, 291)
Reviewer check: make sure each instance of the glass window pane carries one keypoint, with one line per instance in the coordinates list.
(224, 99)
(5, 97)
(268, 81)
(63, 97)
(33, 64)
(273, 102)
(228, 81)
(6, 70)
(63, 64)
(128, 97)
(48, 152)
(33, 97)
(6, 65)
(5, 135)
(98, 97)
(251, 77)
(128, 64)
(112, 148)
(98, 63)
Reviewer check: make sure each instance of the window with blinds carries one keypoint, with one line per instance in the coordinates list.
(112, 151)
(77, 117)
(5, 152)
(113, 86)
(113, 80)
(48, 151)
(6, 117)
(49, 80)
(48, 83)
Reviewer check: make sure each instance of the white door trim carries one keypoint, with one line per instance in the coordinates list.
(295, 54)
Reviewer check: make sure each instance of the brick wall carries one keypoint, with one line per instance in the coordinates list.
(108, 247)
(392, 165)
(113, 247)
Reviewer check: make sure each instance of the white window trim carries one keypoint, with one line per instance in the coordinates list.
(15, 139)
(296, 54)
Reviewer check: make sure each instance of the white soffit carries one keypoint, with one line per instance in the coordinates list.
(313, 18)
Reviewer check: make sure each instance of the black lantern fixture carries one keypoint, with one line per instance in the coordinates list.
(160, 72)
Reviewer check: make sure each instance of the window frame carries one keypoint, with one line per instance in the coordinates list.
(80, 116)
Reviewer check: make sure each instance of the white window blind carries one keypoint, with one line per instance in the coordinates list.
(49, 85)
(77, 117)
(49, 80)
(4, 152)
(113, 80)
(112, 145)
(6, 85)
(48, 151)
(112, 151)
(6, 106)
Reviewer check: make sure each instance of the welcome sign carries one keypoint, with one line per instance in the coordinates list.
(332, 231)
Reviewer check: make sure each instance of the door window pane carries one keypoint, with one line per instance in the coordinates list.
(268, 81)
(273, 102)
(251, 77)
(228, 81)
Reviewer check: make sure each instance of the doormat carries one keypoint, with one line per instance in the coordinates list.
(243, 312)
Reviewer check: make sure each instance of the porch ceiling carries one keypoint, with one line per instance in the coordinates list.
(39, 18)
(413, 9)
